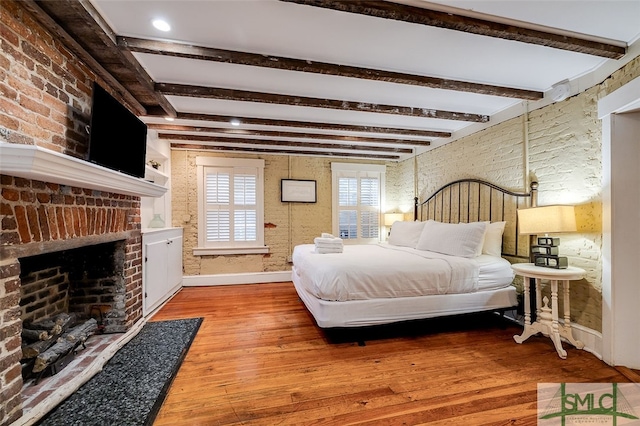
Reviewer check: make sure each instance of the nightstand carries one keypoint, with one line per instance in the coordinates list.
(547, 317)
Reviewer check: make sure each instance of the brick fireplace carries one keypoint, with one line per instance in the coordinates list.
(41, 220)
(87, 281)
(51, 199)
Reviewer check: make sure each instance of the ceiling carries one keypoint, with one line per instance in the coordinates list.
(344, 78)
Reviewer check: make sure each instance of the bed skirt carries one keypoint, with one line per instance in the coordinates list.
(361, 313)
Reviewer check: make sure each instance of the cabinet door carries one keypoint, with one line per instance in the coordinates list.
(155, 272)
(174, 263)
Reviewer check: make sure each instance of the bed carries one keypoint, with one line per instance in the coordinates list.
(454, 258)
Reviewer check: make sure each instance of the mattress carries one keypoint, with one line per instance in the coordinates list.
(384, 271)
(492, 290)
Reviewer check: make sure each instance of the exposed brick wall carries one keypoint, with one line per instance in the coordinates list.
(45, 98)
(43, 293)
(45, 89)
(10, 352)
(34, 211)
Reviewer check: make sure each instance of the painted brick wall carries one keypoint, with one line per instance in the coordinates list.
(565, 157)
(286, 224)
(399, 188)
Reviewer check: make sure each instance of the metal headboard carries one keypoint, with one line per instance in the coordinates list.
(472, 200)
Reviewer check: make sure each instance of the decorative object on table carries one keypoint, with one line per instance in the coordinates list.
(156, 222)
(547, 220)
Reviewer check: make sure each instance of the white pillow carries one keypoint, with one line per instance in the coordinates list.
(405, 234)
(493, 239)
(454, 239)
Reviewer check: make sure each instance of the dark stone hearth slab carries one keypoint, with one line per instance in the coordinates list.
(133, 384)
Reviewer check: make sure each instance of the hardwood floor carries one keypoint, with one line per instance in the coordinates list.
(259, 359)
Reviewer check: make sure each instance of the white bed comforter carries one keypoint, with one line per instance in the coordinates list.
(382, 271)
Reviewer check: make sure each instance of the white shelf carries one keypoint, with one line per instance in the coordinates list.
(155, 175)
(34, 162)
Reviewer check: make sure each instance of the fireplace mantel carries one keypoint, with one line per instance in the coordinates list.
(37, 163)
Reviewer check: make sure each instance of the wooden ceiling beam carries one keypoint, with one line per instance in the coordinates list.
(182, 50)
(88, 29)
(272, 98)
(312, 125)
(435, 18)
(75, 47)
(108, 36)
(286, 151)
(281, 134)
(221, 140)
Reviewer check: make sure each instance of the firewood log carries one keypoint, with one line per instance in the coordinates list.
(65, 344)
(34, 335)
(55, 325)
(34, 349)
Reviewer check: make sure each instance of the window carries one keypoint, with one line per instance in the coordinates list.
(357, 199)
(230, 206)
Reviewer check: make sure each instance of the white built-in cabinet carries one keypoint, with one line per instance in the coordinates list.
(161, 246)
(162, 266)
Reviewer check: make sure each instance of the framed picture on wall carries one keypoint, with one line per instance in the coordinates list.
(297, 191)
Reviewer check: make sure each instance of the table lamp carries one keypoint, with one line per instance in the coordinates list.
(547, 220)
(389, 218)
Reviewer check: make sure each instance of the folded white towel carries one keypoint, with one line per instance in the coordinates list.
(326, 235)
(327, 250)
(328, 241)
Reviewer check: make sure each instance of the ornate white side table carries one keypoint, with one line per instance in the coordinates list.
(547, 317)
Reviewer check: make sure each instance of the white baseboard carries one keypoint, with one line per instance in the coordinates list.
(592, 339)
(233, 279)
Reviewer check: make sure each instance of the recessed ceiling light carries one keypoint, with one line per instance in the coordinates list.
(168, 118)
(234, 122)
(161, 25)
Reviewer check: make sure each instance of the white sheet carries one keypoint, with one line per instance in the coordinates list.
(383, 271)
(495, 272)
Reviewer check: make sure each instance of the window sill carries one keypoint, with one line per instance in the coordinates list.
(207, 251)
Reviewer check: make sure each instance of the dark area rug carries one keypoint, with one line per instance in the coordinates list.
(133, 384)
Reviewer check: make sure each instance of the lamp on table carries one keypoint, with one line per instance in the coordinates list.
(547, 220)
(390, 218)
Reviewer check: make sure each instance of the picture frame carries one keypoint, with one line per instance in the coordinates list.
(298, 191)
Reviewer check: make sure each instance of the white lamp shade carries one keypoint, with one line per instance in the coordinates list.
(547, 220)
(389, 218)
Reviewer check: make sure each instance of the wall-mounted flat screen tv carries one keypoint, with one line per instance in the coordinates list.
(117, 138)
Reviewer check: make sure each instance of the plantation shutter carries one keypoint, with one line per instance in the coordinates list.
(231, 205)
(358, 201)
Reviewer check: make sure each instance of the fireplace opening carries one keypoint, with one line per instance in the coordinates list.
(67, 296)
